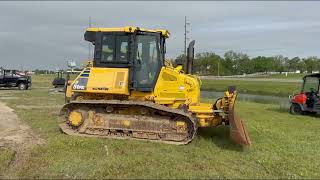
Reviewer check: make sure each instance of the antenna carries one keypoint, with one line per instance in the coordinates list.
(186, 23)
(89, 45)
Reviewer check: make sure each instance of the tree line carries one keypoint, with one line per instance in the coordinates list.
(237, 63)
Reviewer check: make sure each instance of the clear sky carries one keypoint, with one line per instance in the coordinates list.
(47, 34)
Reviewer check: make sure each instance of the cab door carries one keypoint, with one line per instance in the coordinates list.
(147, 63)
(1, 76)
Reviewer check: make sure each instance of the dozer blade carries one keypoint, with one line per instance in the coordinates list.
(238, 131)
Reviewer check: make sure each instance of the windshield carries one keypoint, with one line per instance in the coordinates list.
(8, 72)
(311, 84)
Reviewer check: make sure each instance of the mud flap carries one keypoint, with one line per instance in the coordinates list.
(238, 131)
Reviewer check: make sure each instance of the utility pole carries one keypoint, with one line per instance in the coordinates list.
(89, 45)
(186, 23)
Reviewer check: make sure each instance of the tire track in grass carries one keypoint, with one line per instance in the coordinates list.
(17, 136)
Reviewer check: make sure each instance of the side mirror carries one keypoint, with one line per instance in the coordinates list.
(190, 57)
(90, 36)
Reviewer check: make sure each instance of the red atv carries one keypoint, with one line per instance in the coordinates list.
(307, 102)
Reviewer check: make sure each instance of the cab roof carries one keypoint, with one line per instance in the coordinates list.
(129, 29)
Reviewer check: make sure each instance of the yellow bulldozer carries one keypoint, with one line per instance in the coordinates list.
(131, 91)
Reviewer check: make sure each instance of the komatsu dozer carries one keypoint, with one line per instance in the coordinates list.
(131, 92)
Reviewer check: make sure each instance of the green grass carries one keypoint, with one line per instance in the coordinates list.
(253, 87)
(45, 80)
(6, 157)
(283, 146)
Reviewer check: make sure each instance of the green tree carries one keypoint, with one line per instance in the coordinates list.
(209, 63)
(311, 63)
(279, 64)
(230, 58)
(293, 64)
(263, 64)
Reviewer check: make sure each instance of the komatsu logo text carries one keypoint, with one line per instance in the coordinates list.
(78, 87)
(100, 88)
(80, 84)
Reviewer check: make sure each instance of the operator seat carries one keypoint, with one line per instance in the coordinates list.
(311, 98)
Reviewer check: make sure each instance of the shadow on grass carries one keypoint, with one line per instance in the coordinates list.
(220, 137)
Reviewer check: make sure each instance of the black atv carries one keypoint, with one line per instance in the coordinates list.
(59, 81)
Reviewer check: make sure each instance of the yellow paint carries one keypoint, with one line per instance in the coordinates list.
(180, 123)
(75, 118)
(126, 123)
(104, 81)
(181, 126)
(174, 86)
(142, 96)
(201, 108)
(179, 68)
(68, 90)
(130, 29)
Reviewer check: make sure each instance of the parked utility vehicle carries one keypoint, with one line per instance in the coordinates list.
(11, 78)
(59, 81)
(307, 101)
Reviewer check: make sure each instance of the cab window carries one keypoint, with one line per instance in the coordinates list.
(107, 49)
(311, 84)
(121, 48)
(114, 49)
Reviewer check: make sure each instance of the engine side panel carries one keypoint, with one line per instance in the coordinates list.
(174, 88)
(102, 80)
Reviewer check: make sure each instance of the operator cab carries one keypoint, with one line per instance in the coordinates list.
(141, 51)
(311, 89)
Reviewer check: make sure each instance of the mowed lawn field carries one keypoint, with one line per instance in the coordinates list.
(273, 88)
(283, 146)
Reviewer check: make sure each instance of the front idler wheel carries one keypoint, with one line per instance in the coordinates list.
(76, 118)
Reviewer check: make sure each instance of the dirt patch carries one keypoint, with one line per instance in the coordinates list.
(16, 135)
(37, 107)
